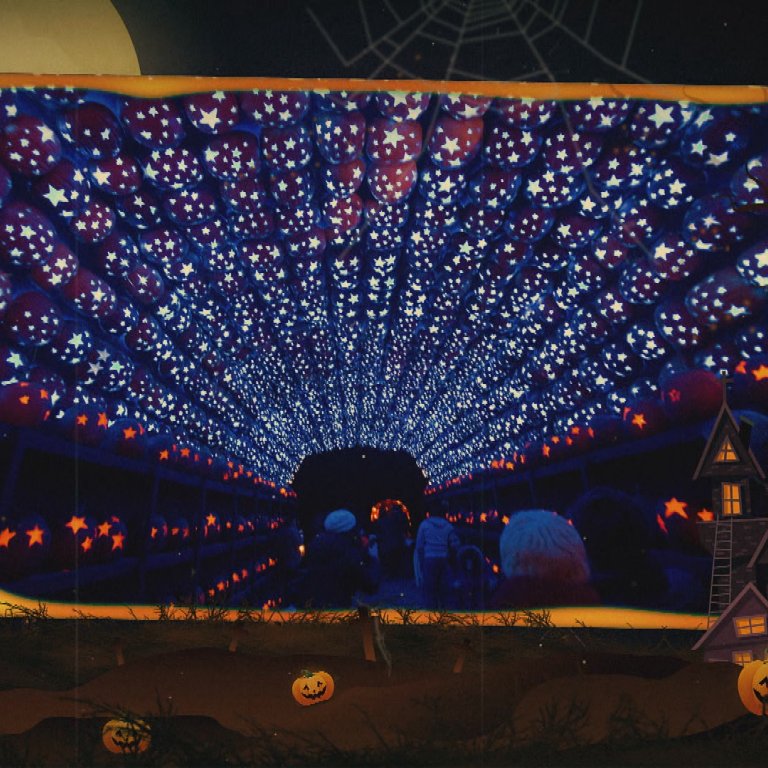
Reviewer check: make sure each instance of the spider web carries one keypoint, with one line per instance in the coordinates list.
(517, 39)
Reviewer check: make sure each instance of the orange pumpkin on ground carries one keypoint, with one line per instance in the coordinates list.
(760, 687)
(126, 737)
(745, 684)
(312, 688)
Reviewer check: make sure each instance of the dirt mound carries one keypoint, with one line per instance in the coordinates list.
(586, 709)
(565, 699)
(243, 692)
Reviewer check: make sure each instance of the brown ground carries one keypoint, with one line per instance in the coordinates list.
(518, 688)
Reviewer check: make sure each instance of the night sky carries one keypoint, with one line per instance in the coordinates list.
(601, 41)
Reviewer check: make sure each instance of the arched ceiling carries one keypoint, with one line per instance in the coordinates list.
(269, 275)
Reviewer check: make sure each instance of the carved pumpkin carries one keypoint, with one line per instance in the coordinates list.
(312, 688)
(24, 404)
(126, 437)
(73, 540)
(157, 533)
(124, 737)
(24, 546)
(209, 528)
(111, 538)
(86, 424)
(760, 687)
(691, 395)
(178, 531)
(745, 683)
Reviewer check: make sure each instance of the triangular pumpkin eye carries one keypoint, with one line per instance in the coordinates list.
(726, 452)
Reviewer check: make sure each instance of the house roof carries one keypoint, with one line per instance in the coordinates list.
(724, 420)
(759, 549)
(749, 589)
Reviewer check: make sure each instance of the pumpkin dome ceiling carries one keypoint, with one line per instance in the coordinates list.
(267, 275)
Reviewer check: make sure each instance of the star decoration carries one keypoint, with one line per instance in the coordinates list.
(263, 275)
(675, 507)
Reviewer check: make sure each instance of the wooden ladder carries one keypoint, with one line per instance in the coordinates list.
(722, 565)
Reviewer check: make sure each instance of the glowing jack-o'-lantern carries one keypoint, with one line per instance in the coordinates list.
(760, 686)
(86, 424)
(643, 417)
(178, 531)
(691, 395)
(389, 507)
(157, 533)
(73, 540)
(24, 404)
(126, 737)
(24, 546)
(210, 528)
(126, 437)
(312, 688)
(111, 536)
(753, 686)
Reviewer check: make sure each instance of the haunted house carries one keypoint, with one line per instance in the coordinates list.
(737, 538)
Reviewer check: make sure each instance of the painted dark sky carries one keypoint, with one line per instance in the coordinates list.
(605, 40)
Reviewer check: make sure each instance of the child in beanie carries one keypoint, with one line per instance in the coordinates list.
(337, 564)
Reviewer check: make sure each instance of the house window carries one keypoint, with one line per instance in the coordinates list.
(726, 452)
(742, 657)
(731, 498)
(750, 625)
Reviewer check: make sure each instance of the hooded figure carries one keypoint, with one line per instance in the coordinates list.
(436, 540)
(544, 561)
(286, 544)
(620, 534)
(392, 530)
(337, 563)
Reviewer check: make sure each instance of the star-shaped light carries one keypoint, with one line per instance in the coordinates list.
(76, 524)
(675, 507)
(5, 537)
(35, 536)
(661, 115)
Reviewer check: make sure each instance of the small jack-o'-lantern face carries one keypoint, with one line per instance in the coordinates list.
(760, 686)
(745, 686)
(125, 737)
(312, 688)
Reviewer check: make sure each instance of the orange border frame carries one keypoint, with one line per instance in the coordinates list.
(167, 85)
(573, 616)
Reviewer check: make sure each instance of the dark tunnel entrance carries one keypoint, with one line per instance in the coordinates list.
(356, 479)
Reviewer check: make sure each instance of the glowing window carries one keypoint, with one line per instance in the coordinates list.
(750, 625)
(726, 452)
(742, 657)
(731, 498)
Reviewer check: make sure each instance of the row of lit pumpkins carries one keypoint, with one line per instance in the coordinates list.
(29, 404)
(684, 397)
(666, 509)
(26, 546)
(226, 586)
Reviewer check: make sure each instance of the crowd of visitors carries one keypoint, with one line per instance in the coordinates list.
(540, 558)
